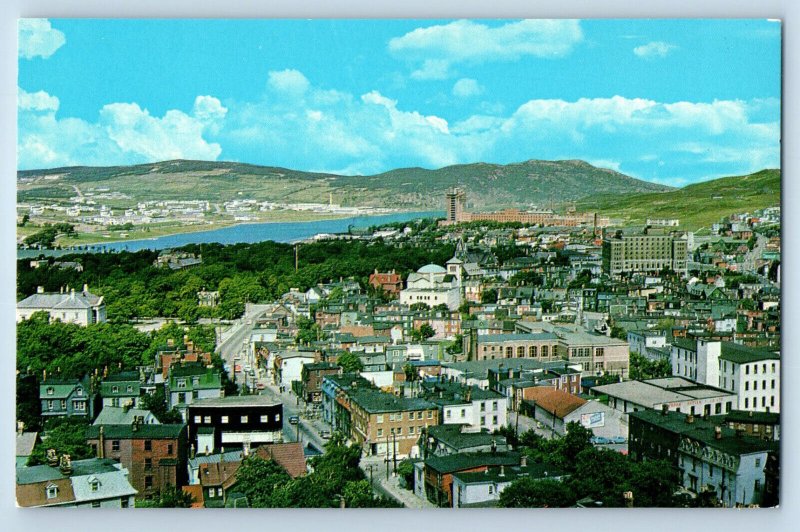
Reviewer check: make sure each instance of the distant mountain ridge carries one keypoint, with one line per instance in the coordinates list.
(532, 182)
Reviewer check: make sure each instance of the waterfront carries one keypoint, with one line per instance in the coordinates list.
(242, 233)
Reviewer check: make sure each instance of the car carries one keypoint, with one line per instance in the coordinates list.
(325, 434)
(599, 440)
(618, 439)
(294, 420)
(261, 386)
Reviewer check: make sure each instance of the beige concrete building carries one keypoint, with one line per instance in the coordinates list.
(649, 251)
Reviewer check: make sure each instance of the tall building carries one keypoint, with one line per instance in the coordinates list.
(650, 251)
(455, 199)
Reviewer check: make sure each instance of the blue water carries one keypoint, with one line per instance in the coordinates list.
(248, 233)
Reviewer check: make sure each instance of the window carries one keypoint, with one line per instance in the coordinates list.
(129, 389)
(463, 413)
(224, 419)
(210, 492)
(411, 430)
(746, 385)
(148, 445)
(773, 384)
(181, 383)
(124, 503)
(483, 406)
(718, 408)
(195, 394)
(430, 414)
(747, 370)
(63, 404)
(746, 402)
(50, 404)
(115, 389)
(763, 368)
(380, 432)
(773, 368)
(219, 492)
(244, 419)
(757, 486)
(148, 464)
(79, 392)
(206, 419)
(380, 418)
(399, 430)
(52, 492)
(115, 445)
(532, 351)
(169, 449)
(148, 482)
(447, 413)
(264, 419)
(198, 418)
(494, 420)
(491, 489)
(50, 391)
(277, 417)
(494, 405)
(95, 504)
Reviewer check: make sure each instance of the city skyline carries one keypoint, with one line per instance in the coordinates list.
(649, 98)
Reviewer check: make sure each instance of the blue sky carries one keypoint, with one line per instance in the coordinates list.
(670, 101)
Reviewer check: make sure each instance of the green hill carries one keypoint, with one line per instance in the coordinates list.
(697, 205)
(488, 186)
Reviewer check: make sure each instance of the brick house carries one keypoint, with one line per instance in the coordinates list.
(390, 282)
(312, 376)
(154, 455)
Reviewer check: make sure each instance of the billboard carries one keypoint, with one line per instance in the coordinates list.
(594, 420)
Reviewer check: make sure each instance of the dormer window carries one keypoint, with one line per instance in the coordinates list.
(195, 381)
(94, 483)
(181, 383)
(52, 491)
(114, 389)
(129, 388)
(50, 390)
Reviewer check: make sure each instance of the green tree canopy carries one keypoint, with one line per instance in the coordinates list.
(350, 362)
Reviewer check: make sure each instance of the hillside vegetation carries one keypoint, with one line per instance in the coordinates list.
(697, 205)
(487, 185)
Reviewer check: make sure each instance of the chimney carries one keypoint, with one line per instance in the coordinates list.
(85, 288)
(502, 471)
(342, 502)
(135, 425)
(664, 410)
(40, 289)
(192, 451)
(20, 427)
(65, 465)
(52, 458)
(628, 496)
(690, 418)
(750, 413)
(717, 433)
(523, 460)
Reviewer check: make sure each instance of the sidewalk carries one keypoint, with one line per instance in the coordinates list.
(392, 485)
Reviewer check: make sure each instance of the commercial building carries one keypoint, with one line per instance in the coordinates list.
(678, 394)
(233, 422)
(650, 251)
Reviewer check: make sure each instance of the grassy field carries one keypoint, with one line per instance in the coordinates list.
(697, 205)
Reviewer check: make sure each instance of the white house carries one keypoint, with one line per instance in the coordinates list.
(480, 409)
(83, 308)
(753, 374)
(432, 285)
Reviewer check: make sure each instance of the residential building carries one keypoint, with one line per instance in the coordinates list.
(753, 374)
(123, 415)
(470, 405)
(650, 251)
(640, 342)
(121, 389)
(312, 376)
(441, 440)
(483, 489)
(239, 421)
(154, 455)
(555, 409)
(434, 475)
(195, 462)
(385, 424)
(92, 483)
(541, 346)
(83, 308)
(289, 455)
(26, 441)
(188, 383)
(336, 404)
(391, 283)
(73, 397)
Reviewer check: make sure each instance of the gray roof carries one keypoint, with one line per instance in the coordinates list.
(510, 337)
(111, 484)
(480, 368)
(236, 400)
(42, 473)
(230, 456)
(374, 401)
(453, 436)
(26, 442)
(70, 300)
(654, 392)
(117, 415)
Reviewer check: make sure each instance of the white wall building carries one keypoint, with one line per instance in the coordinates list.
(432, 285)
(83, 308)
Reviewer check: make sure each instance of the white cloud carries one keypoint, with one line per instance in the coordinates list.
(467, 87)
(433, 69)
(37, 38)
(654, 49)
(124, 134)
(605, 163)
(288, 81)
(439, 47)
(36, 101)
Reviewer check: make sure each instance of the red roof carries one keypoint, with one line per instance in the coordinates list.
(288, 455)
(554, 401)
(196, 491)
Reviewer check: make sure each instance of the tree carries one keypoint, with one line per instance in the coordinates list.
(406, 471)
(489, 296)
(642, 368)
(419, 307)
(424, 332)
(307, 330)
(531, 493)
(654, 484)
(258, 479)
(576, 440)
(350, 362)
(172, 497)
(67, 435)
(156, 403)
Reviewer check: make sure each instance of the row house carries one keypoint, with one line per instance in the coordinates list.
(385, 424)
(65, 398)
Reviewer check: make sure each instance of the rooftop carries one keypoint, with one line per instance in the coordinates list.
(655, 392)
(136, 432)
(375, 402)
(462, 461)
(235, 400)
(559, 402)
(454, 436)
(740, 354)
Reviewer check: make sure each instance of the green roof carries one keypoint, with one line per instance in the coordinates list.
(740, 354)
(142, 432)
(493, 475)
(748, 416)
(41, 473)
(209, 378)
(375, 402)
(459, 462)
(452, 436)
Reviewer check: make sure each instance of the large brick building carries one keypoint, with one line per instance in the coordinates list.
(382, 421)
(391, 282)
(154, 455)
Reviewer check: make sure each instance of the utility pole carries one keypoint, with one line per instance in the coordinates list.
(394, 452)
(296, 252)
(387, 457)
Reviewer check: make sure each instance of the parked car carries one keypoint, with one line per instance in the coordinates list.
(325, 434)
(618, 439)
(294, 420)
(599, 440)
(261, 386)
